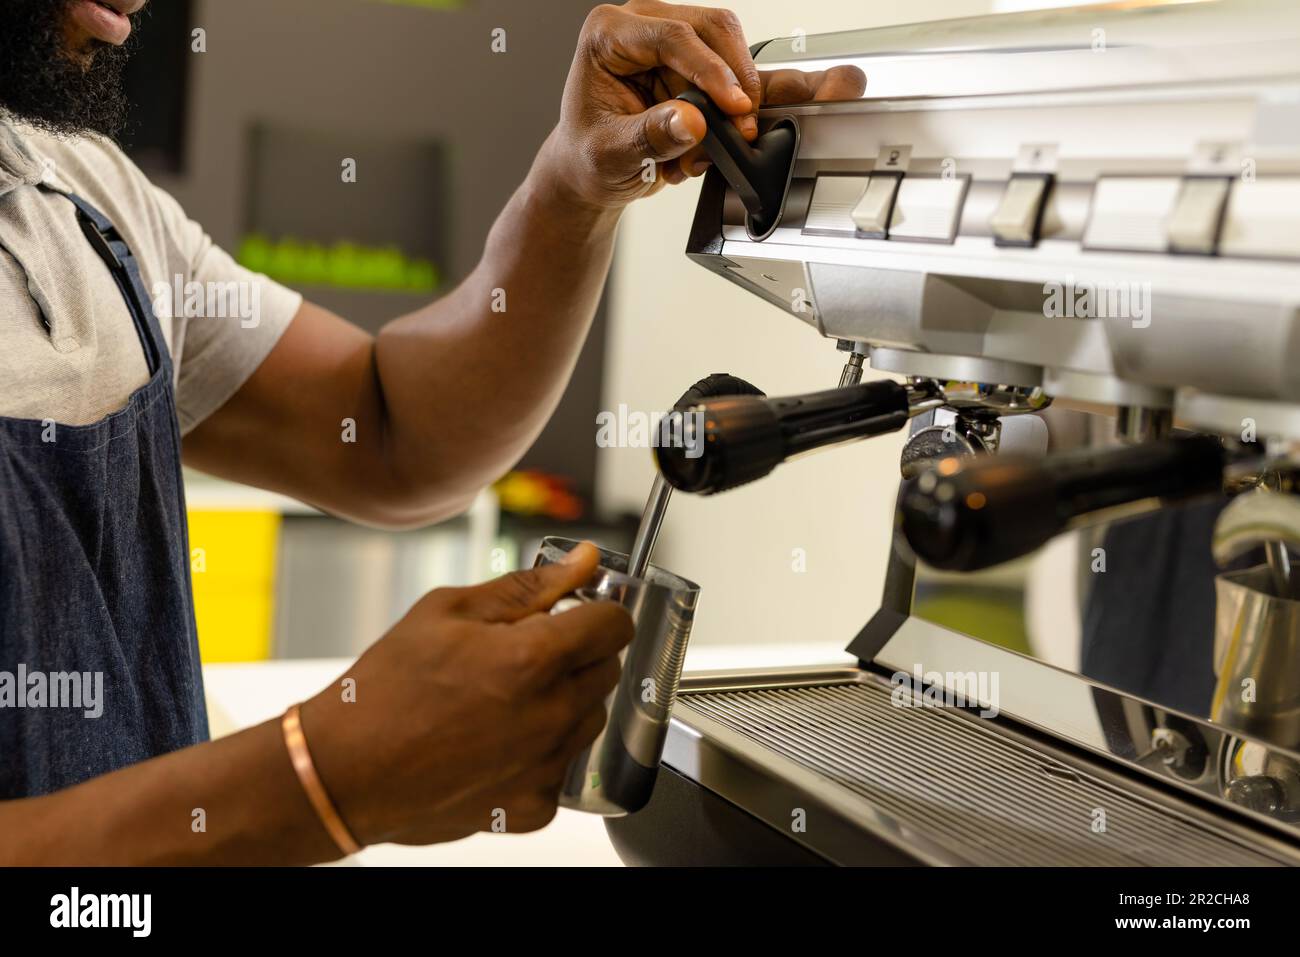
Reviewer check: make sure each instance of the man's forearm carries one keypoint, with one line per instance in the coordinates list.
(445, 400)
(404, 430)
(469, 382)
(232, 801)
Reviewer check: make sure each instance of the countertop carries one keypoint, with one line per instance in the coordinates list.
(242, 695)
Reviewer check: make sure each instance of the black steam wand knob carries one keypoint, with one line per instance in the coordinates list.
(733, 440)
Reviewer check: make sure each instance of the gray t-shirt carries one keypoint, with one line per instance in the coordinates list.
(69, 351)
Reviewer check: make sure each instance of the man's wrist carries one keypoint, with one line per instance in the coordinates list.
(332, 767)
(554, 194)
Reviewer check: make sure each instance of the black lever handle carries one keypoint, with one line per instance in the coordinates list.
(968, 514)
(736, 439)
(760, 173)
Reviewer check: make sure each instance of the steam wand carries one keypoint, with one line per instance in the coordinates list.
(656, 506)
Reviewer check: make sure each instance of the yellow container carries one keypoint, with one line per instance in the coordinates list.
(232, 566)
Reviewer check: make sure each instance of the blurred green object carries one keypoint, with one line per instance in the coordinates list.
(344, 265)
(993, 615)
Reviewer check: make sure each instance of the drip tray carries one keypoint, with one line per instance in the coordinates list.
(937, 783)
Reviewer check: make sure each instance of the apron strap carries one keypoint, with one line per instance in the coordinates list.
(121, 262)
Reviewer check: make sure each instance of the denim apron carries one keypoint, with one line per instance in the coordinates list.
(95, 575)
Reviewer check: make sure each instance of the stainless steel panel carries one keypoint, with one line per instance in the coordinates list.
(950, 787)
(1111, 45)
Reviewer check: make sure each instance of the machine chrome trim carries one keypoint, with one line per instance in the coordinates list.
(1108, 45)
(959, 368)
(1231, 414)
(1276, 86)
(1037, 694)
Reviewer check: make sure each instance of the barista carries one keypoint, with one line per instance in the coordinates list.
(467, 712)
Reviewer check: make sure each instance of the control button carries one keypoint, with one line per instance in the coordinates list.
(1131, 213)
(1263, 219)
(1018, 219)
(872, 213)
(831, 208)
(928, 208)
(1198, 215)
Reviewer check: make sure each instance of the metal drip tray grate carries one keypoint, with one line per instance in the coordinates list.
(986, 798)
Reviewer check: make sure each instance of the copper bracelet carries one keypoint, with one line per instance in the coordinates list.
(296, 742)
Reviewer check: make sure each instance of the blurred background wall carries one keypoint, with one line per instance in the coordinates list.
(250, 134)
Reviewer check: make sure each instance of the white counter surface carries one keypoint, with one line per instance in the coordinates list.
(242, 695)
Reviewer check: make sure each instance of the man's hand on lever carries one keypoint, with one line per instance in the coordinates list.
(619, 109)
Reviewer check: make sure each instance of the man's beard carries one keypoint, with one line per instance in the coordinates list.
(41, 84)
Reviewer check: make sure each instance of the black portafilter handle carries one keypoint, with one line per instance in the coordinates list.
(739, 438)
(761, 172)
(972, 513)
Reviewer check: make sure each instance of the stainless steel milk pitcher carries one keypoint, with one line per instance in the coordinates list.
(616, 774)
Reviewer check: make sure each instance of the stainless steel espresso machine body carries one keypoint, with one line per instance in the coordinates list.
(1073, 237)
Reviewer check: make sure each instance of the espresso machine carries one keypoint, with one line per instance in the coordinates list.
(1072, 238)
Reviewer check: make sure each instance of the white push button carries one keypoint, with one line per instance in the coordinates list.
(833, 200)
(1132, 213)
(871, 215)
(928, 208)
(1016, 220)
(1194, 225)
(1263, 219)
